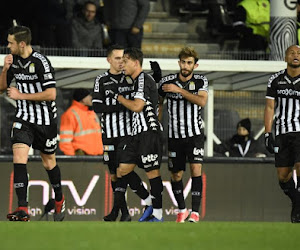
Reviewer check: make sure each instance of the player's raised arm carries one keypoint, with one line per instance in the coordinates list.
(3, 77)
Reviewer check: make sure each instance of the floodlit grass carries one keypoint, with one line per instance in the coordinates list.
(144, 236)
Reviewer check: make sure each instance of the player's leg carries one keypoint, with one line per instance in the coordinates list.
(53, 171)
(195, 152)
(150, 155)
(110, 158)
(288, 150)
(156, 193)
(177, 188)
(21, 139)
(45, 140)
(20, 157)
(196, 190)
(177, 162)
(121, 186)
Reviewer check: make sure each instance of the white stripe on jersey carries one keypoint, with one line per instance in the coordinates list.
(128, 121)
(107, 125)
(46, 115)
(282, 118)
(181, 118)
(121, 124)
(296, 119)
(189, 119)
(289, 115)
(114, 123)
(174, 125)
(196, 114)
(48, 83)
(38, 114)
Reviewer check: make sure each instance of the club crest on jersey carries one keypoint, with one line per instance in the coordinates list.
(31, 68)
(192, 86)
(129, 80)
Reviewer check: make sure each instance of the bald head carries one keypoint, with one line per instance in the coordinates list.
(292, 47)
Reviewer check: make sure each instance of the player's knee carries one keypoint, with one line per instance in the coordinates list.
(49, 161)
(113, 177)
(284, 176)
(176, 176)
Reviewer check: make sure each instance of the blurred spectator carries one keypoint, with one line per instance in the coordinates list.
(80, 131)
(125, 20)
(242, 144)
(252, 24)
(52, 23)
(86, 30)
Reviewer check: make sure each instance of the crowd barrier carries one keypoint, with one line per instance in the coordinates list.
(234, 189)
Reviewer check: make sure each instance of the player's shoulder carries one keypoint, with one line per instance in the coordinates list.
(200, 78)
(39, 58)
(277, 76)
(169, 78)
(102, 77)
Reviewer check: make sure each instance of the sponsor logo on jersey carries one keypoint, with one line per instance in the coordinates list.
(288, 92)
(26, 77)
(282, 82)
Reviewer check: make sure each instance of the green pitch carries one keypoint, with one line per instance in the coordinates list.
(144, 236)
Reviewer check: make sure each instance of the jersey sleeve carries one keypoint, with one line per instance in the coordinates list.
(45, 71)
(204, 83)
(141, 88)
(99, 99)
(271, 89)
(160, 90)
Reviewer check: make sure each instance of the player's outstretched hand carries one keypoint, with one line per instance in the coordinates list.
(269, 142)
(156, 70)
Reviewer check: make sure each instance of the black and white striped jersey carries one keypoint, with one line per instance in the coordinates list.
(184, 117)
(115, 118)
(33, 75)
(147, 120)
(285, 90)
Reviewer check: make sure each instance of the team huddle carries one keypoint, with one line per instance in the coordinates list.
(139, 142)
(129, 102)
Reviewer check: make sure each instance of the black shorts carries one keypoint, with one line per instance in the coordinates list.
(144, 150)
(110, 149)
(40, 137)
(180, 150)
(287, 149)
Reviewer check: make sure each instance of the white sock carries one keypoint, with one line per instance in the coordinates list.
(182, 210)
(157, 213)
(148, 200)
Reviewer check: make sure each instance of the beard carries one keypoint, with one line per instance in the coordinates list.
(293, 65)
(187, 73)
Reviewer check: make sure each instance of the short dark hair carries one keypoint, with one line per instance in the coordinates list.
(112, 48)
(135, 54)
(21, 33)
(188, 52)
(89, 2)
